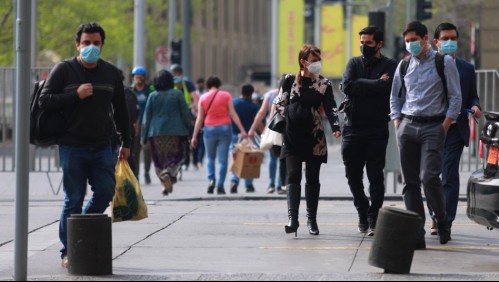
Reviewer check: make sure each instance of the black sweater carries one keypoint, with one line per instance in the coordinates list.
(368, 95)
(89, 121)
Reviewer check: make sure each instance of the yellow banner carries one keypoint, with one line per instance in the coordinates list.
(333, 41)
(291, 35)
(358, 23)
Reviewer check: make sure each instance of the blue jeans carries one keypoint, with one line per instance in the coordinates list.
(235, 179)
(273, 162)
(217, 141)
(79, 165)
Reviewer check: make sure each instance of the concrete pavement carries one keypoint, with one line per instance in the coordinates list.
(192, 236)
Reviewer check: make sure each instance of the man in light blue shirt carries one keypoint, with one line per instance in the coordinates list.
(423, 107)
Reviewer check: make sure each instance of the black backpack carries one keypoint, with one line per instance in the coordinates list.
(439, 63)
(46, 126)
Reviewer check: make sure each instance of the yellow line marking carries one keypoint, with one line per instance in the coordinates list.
(344, 224)
(347, 248)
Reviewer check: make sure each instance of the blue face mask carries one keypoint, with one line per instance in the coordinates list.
(449, 47)
(414, 47)
(90, 54)
(177, 79)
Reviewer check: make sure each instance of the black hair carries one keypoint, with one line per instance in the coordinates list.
(163, 80)
(247, 90)
(200, 80)
(418, 27)
(213, 81)
(374, 30)
(444, 26)
(90, 28)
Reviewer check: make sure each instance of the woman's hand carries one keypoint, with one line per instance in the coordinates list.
(244, 134)
(194, 142)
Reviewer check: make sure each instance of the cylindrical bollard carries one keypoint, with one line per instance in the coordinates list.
(90, 247)
(395, 240)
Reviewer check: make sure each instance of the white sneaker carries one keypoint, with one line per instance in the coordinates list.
(64, 262)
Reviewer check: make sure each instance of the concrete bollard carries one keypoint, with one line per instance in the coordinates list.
(90, 244)
(395, 240)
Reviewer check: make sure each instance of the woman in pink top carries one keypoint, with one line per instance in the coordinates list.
(216, 112)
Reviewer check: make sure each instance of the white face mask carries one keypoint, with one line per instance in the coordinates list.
(315, 68)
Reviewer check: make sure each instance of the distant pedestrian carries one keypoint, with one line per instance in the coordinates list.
(216, 113)
(246, 110)
(165, 128)
(267, 110)
(200, 151)
(85, 149)
(423, 107)
(300, 97)
(367, 84)
(142, 89)
(446, 39)
(188, 89)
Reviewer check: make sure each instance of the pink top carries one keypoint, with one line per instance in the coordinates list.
(218, 113)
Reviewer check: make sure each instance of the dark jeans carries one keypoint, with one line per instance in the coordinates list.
(421, 148)
(361, 148)
(79, 166)
(454, 146)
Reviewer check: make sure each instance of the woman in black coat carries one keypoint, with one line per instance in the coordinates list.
(299, 101)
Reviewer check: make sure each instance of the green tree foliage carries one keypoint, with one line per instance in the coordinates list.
(59, 19)
(6, 33)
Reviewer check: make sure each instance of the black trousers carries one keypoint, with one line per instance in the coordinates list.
(294, 168)
(365, 148)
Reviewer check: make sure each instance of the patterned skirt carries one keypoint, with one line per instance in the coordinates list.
(168, 154)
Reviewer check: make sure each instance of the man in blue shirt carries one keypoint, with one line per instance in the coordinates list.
(423, 112)
(246, 110)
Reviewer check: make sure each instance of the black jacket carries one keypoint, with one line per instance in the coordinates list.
(367, 102)
(89, 121)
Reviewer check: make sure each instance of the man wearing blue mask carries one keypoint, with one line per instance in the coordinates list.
(424, 104)
(446, 39)
(90, 92)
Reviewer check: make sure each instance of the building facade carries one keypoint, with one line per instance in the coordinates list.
(231, 39)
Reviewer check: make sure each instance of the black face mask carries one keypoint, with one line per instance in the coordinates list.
(368, 52)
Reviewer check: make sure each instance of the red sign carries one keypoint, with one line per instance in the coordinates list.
(163, 56)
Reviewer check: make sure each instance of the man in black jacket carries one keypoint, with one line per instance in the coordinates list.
(367, 83)
(90, 91)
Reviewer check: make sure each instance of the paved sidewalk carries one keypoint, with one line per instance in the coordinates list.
(190, 235)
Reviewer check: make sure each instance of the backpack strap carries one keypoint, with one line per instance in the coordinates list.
(404, 66)
(440, 64)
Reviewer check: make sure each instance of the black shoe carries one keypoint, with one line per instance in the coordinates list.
(313, 228)
(220, 191)
(363, 225)
(174, 180)
(444, 232)
(233, 187)
(250, 189)
(147, 178)
(211, 187)
(421, 245)
(372, 228)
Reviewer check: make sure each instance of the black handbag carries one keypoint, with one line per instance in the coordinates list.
(277, 123)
